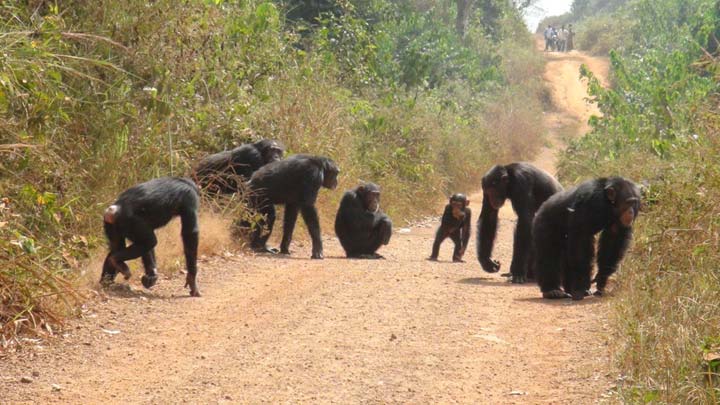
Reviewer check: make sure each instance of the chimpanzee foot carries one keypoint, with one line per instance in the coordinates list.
(317, 256)
(555, 294)
(148, 280)
(580, 294)
(458, 260)
(370, 256)
(599, 293)
(518, 279)
(191, 281)
(121, 267)
(265, 249)
(432, 258)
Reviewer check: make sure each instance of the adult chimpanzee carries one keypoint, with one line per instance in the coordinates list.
(564, 235)
(455, 223)
(221, 172)
(359, 224)
(294, 182)
(527, 187)
(136, 214)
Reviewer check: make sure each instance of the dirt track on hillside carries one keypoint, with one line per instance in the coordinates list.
(278, 329)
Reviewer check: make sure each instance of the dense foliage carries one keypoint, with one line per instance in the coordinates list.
(98, 95)
(660, 126)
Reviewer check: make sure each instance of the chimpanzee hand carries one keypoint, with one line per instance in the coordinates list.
(490, 265)
(317, 255)
(555, 294)
(191, 281)
(518, 279)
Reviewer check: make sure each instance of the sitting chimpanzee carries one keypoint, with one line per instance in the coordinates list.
(136, 214)
(294, 182)
(359, 224)
(564, 235)
(527, 187)
(455, 223)
(222, 172)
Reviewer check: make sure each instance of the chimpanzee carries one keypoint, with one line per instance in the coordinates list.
(564, 235)
(294, 182)
(455, 223)
(221, 172)
(360, 225)
(527, 187)
(136, 214)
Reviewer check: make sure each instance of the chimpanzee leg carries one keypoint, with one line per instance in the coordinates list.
(190, 236)
(150, 277)
(457, 251)
(611, 249)
(380, 235)
(440, 237)
(581, 251)
(289, 220)
(310, 215)
(259, 238)
(521, 247)
(116, 243)
(143, 240)
(549, 264)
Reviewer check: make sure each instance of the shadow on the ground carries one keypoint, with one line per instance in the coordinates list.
(118, 290)
(494, 282)
(560, 302)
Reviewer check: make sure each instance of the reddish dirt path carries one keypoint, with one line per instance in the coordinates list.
(337, 331)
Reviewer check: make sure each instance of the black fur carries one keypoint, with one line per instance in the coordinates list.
(136, 214)
(224, 171)
(359, 224)
(294, 182)
(457, 229)
(527, 187)
(564, 235)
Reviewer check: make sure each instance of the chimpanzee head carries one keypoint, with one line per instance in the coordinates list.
(330, 174)
(624, 196)
(459, 202)
(271, 150)
(495, 186)
(369, 194)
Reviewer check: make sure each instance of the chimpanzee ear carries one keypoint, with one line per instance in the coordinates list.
(610, 193)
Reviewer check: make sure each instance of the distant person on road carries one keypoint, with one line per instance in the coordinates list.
(548, 34)
(569, 43)
(562, 38)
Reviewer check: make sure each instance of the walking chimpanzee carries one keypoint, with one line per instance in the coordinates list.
(221, 172)
(527, 187)
(360, 225)
(136, 214)
(455, 223)
(564, 235)
(294, 182)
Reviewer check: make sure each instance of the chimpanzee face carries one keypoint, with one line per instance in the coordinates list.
(625, 198)
(370, 195)
(494, 185)
(459, 202)
(330, 174)
(273, 153)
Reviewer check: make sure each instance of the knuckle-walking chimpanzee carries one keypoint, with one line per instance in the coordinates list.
(294, 182)
(455, 224)
(221, 172)
(360, 225)
(527, 187)
(564, 235)
(136, 214)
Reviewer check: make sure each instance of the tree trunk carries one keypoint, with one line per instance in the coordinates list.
(463, 13)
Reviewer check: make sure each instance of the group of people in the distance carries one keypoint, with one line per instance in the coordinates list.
(559, 39)
(554, 238)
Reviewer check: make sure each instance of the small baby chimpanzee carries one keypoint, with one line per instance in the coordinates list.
(455, 224)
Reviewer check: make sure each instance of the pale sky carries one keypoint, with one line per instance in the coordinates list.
(544, 8)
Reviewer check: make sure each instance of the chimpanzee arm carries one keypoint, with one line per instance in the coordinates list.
(190, 236)
(310, 215)
(487, 228)
(466, 229)
(580, 253)
(521, 245)
(611, 250)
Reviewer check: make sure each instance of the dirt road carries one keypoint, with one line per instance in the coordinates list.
(337, 331)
